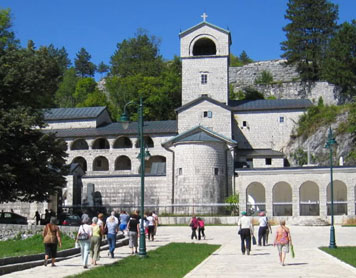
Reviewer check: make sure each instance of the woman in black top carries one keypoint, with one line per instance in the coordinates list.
(134, 230)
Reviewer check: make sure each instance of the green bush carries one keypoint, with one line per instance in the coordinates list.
(264, 78)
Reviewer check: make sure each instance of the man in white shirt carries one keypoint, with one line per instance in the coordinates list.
(263, 228)
(245, 231)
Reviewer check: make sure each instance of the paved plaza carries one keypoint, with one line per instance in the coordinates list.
(228, 261)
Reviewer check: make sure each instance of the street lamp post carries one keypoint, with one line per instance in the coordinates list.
(329, 145)
(124, 118)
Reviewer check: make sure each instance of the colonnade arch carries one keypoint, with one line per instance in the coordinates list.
(79, 144)
(309, 202)
(148, 142)
(122, 163)
(255, 198)
(282, 199)
(81, 161)
(101, 163)
(156, 165)
(340, 198)
(122, 143)
(100, 144)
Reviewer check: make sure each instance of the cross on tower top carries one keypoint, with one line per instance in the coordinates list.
(204, 16)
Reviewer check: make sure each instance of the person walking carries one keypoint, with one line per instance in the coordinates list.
(263, 229)
(95, 241)
(151, 226)
(246, 232)
(112, 227)
(193, 223)
(84, 234)
(283, 240)
(133, 227)
(37, 217)
(124, 218)
(201, 228)
(51, 238)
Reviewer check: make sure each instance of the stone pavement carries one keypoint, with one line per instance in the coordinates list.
(228, 261)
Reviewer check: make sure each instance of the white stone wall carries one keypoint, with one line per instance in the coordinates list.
(220, 121)
(261, 163)
(264, 129)
(196, 181)
(295, 177)
(216, 69)
(221, 40)
(69, 124)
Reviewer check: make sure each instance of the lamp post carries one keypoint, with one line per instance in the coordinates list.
(329, 145)
(124, 119)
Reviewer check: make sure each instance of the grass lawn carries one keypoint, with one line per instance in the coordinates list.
(30, 246)
(346, 254)
(173, 260)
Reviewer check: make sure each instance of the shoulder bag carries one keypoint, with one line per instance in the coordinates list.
(82, 235)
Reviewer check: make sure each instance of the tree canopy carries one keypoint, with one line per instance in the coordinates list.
(82, 63)
(312, 24)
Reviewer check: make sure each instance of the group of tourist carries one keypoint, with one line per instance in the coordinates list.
(283, 239)
(197, 223)
(92, 231)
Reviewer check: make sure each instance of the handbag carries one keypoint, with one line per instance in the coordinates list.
(83, 235)
(254, 240)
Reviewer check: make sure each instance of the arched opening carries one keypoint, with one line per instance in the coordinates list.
(256, 198)
(147, 140)
(100, 144)
(81, 161)
(309, 199)
(100, 163)
(340, 198)
(122, 163)
(156, 165)
(79, 144)
(204, 46)
(282, 199)
(122, 143)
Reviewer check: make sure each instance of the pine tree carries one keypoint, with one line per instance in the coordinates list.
(312, 24)
(82, 63)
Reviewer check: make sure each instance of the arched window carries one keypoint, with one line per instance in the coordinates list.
(204, 46)
(309, 199)
(123, 163)
(282, 199)
(81, 161)
(79, 144)
(156, 165)
(256, 198)
(100, 163)
(340, 198)
(123, 143)
(148, 142)
(101, 143)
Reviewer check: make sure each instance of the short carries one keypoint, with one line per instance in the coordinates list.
(51, 249)
(123, 226)
(283, 248)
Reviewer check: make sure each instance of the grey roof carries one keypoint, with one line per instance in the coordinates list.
(269, 104)
(199, 134)
(250, 153)
(154, 127)
(73, 113)
(200, 99)
(181, 34)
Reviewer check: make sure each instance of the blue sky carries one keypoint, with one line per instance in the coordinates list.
(255, 25)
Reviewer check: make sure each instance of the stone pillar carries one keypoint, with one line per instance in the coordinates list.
(295, 200)
(322, 204)
(269, 199)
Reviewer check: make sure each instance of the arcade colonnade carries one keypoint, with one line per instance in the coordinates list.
(297, 191)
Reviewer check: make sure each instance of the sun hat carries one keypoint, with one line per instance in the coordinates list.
(262, 213)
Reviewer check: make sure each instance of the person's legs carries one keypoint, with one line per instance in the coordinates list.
(194, 233)
(260, 234)
(203, 232)
(86, 247)
(243, 238)
(199, 233)
(248, 242)
(264, 231)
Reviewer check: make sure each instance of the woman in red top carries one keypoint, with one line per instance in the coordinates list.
(193, 223)
(201, 228)
(283, 240)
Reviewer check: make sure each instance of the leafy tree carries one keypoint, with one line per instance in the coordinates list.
(102, 68)
(312, 24)
(235, 61)
(7, 36)
(64, 96)
(32, 163)
(233, 201)
(95, 98)
(244, 58)
(340, 63)
(61, 56)
(82, 63)
(83, 88)
(138, 55)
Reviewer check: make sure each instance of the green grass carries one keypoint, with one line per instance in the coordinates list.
(29, 246)
(346, 254)
(174, 260)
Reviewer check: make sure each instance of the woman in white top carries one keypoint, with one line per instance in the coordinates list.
(246, 231)
(151, 226)
(263, 228)
(83, 237)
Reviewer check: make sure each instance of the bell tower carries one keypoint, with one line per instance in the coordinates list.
(205, 50)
